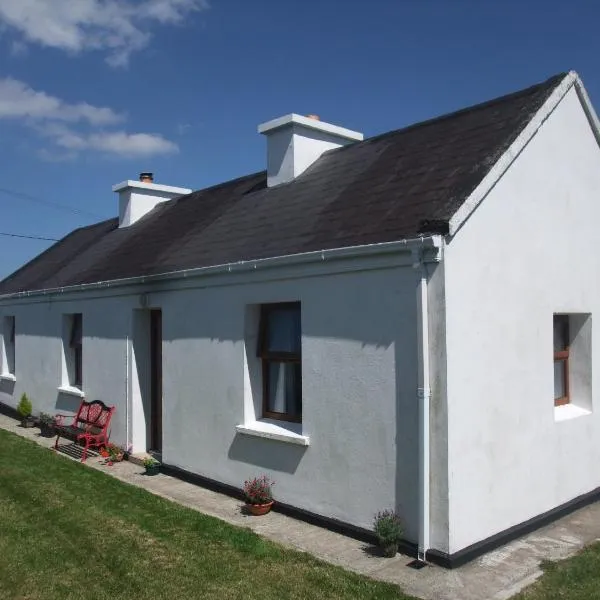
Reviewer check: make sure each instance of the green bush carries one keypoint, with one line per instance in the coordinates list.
(387, 527)
(24, 407)
(46, 419)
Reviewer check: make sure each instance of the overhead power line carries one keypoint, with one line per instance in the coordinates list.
(29, 237)
(57, 205)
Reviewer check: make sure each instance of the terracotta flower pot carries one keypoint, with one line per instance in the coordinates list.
(259, 509)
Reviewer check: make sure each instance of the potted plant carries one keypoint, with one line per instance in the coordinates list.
(115, 454)
(152, 466)
(46, 423)
(24, 409)
(388, 529)
(258, 495)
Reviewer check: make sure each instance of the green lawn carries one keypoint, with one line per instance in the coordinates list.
(576, 578)
(67, 531)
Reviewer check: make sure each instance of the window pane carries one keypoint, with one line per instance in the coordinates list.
(285, 388)
(561, 332)
(283, 330)
(76, 330)
(560, 385)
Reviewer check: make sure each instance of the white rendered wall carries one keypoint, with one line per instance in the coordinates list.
(38, 356)
(358, 364)
(359, 381)
(526, 252)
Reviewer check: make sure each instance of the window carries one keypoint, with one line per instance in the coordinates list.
(279, 348)
(75, 347)
(561, 359)
(8, 362)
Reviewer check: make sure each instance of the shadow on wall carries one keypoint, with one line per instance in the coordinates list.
(67, 402)
(266, 454)
(7, 387)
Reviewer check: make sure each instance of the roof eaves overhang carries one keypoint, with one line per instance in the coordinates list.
(429, 248)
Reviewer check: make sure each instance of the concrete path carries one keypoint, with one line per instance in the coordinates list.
(495, 576)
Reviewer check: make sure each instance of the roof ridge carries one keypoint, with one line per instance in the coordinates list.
(555, 79)
(216, 186)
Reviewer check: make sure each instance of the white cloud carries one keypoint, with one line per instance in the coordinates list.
(117, 27)
(75, 128)
(120, 143)
(18, 100)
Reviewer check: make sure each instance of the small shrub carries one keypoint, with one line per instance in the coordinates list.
(24, 407)
(46, 419)
(150, 463)
(388, 527)
(258, 490)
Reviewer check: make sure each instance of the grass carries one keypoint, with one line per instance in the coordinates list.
(575, 578)
(67, 531)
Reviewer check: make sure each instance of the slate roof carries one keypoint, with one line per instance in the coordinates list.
(389, 187)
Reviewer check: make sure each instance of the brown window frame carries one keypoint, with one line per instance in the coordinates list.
(563, 356)
(76, 345)
(267, 357)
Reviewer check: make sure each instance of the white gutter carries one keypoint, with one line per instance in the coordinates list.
(423, 399)
(431, 241)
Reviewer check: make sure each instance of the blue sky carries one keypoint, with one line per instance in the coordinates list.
(94, 91)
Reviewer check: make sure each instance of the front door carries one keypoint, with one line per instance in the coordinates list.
(155, 380)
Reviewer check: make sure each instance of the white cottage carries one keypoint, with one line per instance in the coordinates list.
(401, 322)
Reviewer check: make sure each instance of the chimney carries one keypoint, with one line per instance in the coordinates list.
(138, 198)
(295, 142)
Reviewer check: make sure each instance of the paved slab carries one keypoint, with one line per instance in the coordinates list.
(495, 576)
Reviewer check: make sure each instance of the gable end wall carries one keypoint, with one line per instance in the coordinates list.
(526, 252)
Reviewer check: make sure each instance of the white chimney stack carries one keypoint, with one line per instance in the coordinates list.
(138, 198)
(295, 142)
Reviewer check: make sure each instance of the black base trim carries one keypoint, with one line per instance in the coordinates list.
(457, 559)
(353, 531)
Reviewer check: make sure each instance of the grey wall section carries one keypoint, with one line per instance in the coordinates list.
(526, 252)
(358, 379)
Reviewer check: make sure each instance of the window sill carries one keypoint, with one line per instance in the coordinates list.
(569, 411)
(271, 431)
(67, 389)
(8, 377)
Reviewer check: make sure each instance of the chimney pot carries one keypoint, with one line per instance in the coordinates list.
(314, 117)
(147, 177)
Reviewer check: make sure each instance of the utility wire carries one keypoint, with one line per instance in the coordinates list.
(29, 237)
(48, 203)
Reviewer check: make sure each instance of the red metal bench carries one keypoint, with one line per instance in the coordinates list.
(89, 425)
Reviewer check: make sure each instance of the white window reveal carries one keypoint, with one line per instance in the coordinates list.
(72, 376)
(8, 347)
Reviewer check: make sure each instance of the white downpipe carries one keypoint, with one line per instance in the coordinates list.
(423, 398)
(128, 441)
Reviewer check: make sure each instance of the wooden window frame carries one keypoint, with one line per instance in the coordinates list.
(268, 357)
(563, 356)
(76, 346)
